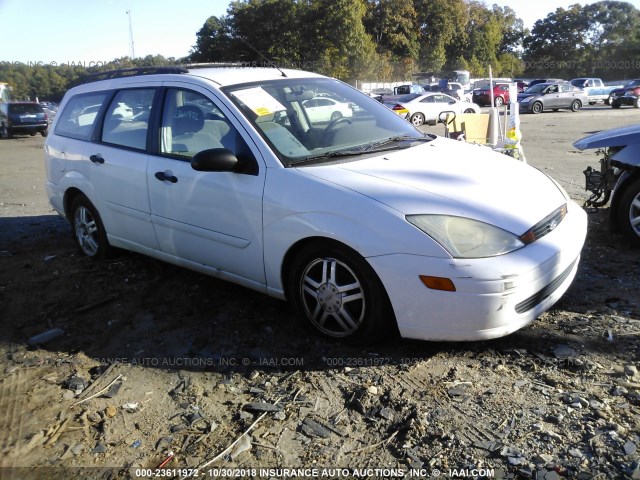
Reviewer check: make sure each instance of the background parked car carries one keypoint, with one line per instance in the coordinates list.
(427, 108)
(629, 95)
(482, 96)
(551, 96)
(619, 92)
(323, 109)
(22, 117)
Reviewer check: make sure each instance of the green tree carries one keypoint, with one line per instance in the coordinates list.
(338, 38)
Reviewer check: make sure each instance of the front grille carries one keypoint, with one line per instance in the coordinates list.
(544, 226)
(543, 294)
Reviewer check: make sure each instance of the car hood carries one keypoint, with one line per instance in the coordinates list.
(451, 178)
(627, 137)
(522, 96)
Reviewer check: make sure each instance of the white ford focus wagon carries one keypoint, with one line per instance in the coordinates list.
(363, 222)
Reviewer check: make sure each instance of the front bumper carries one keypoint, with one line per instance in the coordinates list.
(625, 100)
(494, 296)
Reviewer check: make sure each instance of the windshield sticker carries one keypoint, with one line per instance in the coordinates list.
(259, 101)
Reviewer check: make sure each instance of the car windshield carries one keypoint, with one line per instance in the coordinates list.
(315, 119)
(537, 88)
(633, 83)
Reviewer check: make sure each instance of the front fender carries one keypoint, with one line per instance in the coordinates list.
(388, 235)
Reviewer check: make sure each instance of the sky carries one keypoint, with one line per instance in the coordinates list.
(89, 33)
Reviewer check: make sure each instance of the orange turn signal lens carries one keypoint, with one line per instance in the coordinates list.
(438, 283)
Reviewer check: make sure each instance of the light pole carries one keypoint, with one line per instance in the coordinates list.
(133, 52)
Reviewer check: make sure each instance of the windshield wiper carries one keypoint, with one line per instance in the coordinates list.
(380, 146)
(312, 158)
(402, 138)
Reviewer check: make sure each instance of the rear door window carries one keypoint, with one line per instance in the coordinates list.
(126, 121)
(79, 116)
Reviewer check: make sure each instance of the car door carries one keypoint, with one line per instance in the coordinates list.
(428, 107)
(208, 219)
(552, 98)
(119, 160)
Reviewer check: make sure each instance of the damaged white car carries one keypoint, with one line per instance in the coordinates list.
(363, 222)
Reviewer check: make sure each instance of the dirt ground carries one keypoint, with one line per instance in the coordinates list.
(158, 371)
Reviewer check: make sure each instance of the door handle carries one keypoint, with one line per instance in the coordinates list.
(97, 158)
(162, 176)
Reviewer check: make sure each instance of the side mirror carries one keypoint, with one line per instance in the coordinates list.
(223, 160)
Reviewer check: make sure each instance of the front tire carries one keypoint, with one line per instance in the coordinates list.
(88, 229)
(335, 116)
(339, 294)
(498, 101)
(417, 119)
(4, 132)
(576, 105)
(636, 103)
(629, 212)
(536, 107)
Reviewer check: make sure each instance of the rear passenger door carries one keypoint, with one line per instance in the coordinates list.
(119, 168)
(206, 219)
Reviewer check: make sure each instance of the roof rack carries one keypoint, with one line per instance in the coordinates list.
(131, 72)
(216, 65)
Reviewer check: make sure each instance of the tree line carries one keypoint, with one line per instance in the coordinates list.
(386, 40)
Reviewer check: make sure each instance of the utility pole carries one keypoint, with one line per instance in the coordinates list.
(133, 52)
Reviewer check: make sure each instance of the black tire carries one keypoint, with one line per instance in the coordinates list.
(417, 119)
(469, 110)
(5, 132)
(592, 103)
(629, 211)
(317, 288)
(88, 229)
(33, 134)
(498, 101)
(536, 107)
(335, 116)
(44, 132)
(576, 105)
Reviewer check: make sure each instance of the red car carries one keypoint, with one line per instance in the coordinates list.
(482, 97)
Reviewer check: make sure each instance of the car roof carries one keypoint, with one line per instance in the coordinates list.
(220, 75)
(234, 75)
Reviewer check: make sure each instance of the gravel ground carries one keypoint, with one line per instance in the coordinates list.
(154, 365)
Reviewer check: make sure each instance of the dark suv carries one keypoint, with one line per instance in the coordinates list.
(22, 117)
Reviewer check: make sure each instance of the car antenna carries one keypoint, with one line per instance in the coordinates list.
(269, 61)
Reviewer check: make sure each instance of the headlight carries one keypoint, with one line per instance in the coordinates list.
(526, 100)
(466, 238)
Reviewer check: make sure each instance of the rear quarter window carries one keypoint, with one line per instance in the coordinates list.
(79, 116)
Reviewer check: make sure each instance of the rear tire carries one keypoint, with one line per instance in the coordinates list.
(88, 229)
(339, 294)
(498, 101)
(417, 119)
(576, 105)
